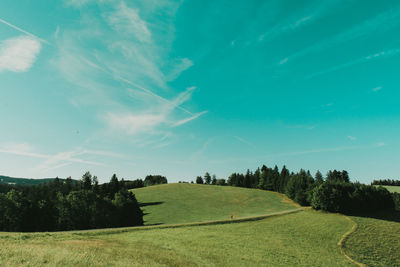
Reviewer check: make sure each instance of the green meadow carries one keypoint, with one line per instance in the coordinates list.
(302, 238)
(183, 203)
(392, 189)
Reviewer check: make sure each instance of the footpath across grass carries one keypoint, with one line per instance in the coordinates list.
(183, 203)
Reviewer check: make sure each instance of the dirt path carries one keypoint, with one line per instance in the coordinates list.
(344, 238)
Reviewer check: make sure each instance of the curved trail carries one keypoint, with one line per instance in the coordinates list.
(139, 228)
(344, 238)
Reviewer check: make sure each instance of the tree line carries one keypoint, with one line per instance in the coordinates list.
(386, 182)
(334, 192)
(69, 205)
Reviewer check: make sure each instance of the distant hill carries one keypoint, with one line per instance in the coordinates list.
(23, 181)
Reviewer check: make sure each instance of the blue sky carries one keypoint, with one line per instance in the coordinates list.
(183, 87)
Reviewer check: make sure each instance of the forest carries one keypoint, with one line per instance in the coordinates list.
(64, 204)
(334, 193)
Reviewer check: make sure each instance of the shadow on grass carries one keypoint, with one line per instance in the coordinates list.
(150, 203)
(387, 215)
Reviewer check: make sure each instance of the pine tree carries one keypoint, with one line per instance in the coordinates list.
(87, 181)
(319, 179)
(207, 178)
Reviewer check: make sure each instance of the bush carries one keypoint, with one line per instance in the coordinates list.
(396, 200)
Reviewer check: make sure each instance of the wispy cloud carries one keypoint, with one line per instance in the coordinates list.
(380, 144)
(180, 66)
(384, 21)
(18, 54)
(293, 23)
(150, 120)
(362, 60)
(242, 140)
(131, 56)
(184, 121)
(58, 160)
(77, 3)
(280, 29)
(376, 89)
(300, 126)
(127, 20)
(352, 138)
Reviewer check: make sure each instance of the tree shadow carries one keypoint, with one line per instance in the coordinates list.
(150, 203)
(386, 215)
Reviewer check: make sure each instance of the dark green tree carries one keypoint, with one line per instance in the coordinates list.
(207, 178)
(199, 180)
(86, 181)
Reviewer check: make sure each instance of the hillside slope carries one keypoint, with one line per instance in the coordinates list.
(182, 203)
(306, 238)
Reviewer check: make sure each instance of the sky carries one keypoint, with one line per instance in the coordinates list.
(179, 88)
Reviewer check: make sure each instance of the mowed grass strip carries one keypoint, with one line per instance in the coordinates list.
(306, 238)
(183, 203)
(376, 242)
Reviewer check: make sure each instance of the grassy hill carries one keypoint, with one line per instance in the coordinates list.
(182, 203)
(305, 238)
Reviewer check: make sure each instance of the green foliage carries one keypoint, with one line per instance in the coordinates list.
(337, 176)
(199, 180)
(396, 200)
(207, 178)
(62, 205)
(154, 180)
(299, 188)
(350, 197)
(389, 182)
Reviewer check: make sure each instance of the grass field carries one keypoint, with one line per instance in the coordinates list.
(181, 203)
(376, 241)
(306, 238)
(392, 189)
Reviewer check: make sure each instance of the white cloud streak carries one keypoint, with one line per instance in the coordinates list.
(184, 121)
(149, 121)
(370, 58)
(23, 31)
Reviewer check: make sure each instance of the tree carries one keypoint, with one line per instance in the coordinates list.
(284, 177)
(155, 179)
(247, 179)
(87, 181)
(207, 178)
(299, 188)
(214, 180)
(319, 179)
(95, 184)
(199, 180)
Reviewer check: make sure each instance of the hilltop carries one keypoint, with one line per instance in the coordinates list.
(183, 203)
